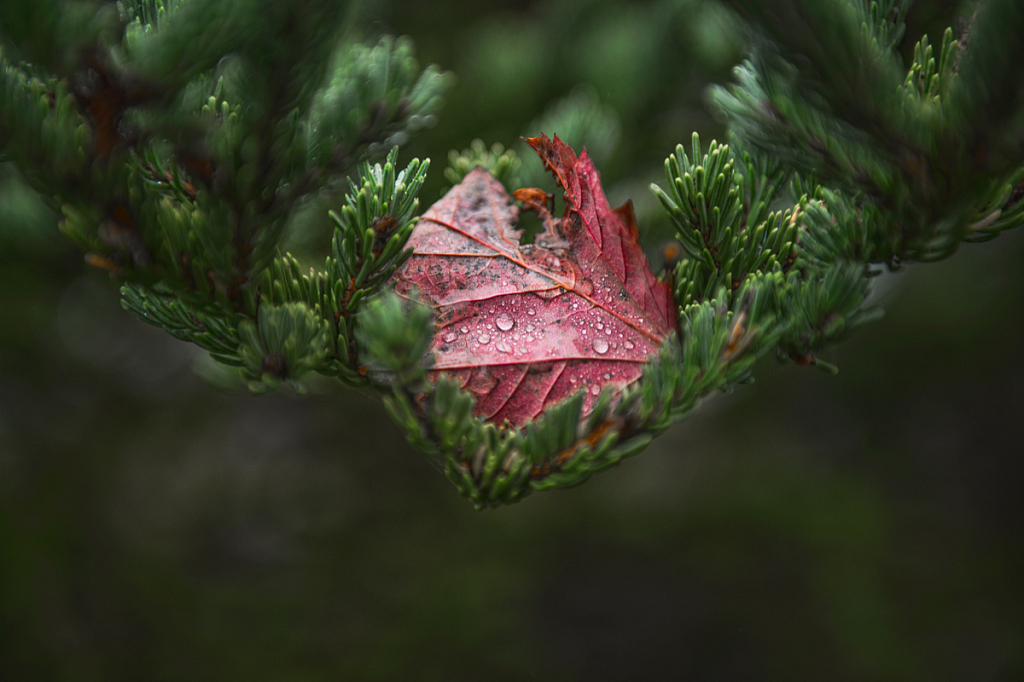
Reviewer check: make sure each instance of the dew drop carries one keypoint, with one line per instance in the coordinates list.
(599, 346)
(572, 379)
(628, 345)
(502, 347)
(550, 293)
(600, 326)
(449, 337)
(607, 375)
(529, 338)
(595, 389)
(608, 331)
(484, 338)
(505, 322)
(463, 329)
(530, 327)
(531, 311)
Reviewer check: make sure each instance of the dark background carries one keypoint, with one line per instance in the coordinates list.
(155, 526)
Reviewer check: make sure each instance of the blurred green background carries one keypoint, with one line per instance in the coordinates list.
(858, 527)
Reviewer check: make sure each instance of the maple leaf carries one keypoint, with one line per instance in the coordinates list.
(525, 326)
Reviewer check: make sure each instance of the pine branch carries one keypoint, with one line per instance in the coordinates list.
(503, 164)
(864, 143)
(178, 151)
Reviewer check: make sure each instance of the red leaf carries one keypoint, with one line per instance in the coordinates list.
(524, 326)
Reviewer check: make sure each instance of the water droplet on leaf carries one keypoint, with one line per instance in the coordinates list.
(550, 293)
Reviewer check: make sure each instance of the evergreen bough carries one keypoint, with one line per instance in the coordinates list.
(178, 150)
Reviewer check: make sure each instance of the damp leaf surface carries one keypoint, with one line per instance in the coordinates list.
(525, 326)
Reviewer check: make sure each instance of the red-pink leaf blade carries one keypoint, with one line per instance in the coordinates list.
(526, 326)
(613, 236)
